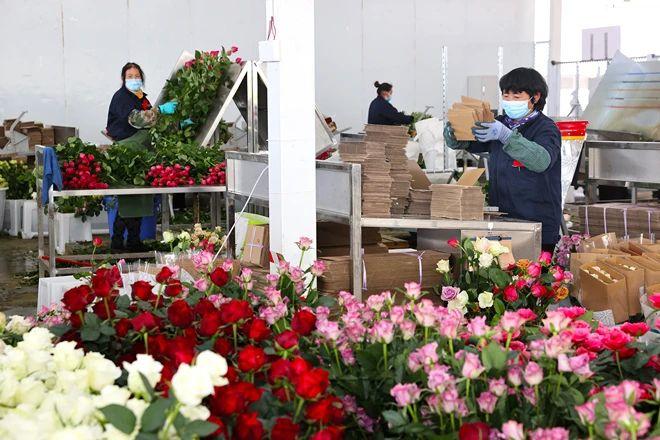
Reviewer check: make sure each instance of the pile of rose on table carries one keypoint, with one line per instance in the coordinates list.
(216, 358)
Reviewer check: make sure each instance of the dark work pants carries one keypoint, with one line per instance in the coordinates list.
(132, 225)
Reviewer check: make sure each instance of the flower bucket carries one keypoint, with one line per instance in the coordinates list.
(69, 229)
(3, 197)
(29, 220)
(12, 219)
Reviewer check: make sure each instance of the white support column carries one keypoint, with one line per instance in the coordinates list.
(291, 129)
(554, 53)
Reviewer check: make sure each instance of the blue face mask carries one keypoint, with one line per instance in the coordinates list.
(515, 109)
(389, 98)
(134, 84)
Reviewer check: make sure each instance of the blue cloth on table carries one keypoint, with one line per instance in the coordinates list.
(148, 224)
(52, 175)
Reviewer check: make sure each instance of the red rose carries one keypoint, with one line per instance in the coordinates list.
(223, 347)
(453, 242)
(284, 429)
(235, 310)
(101, 310)
(101, 285)
(204, 306)
(256, 330)
(635, 329)
(144, 321)
(287, 339)
(77, 299)
(329, 433)
(219, 277)
(180, 350)
(97, 242)
(122, 327)
(180, 314)
(303, 322)
(233, 398)
(510, 294)
(654, 362)
(75, 321)
(311, 384)
(210, 324)
(248, 427)
(325, 411)
(299, 366)
(251, 358)
(282, 394)
(616, 340)
(142, 290)
(157, 344)
(221, 432)
(280, 369)
(164, 275)
(174, 288)
(474, 431)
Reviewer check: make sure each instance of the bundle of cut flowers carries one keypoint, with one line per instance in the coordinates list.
(82, 173)
(169, 175)
(195, 239)
(216, 175)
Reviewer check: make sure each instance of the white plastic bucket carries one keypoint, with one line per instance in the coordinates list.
(29, 222)
(69, 229)
(13, 217)
(3, 197)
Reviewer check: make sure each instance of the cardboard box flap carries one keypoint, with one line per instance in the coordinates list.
(419, 179)
(470, 177)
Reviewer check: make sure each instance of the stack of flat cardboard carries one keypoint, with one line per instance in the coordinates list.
(333, 239)
(465, 114)
(376, 179)
(620, 218)
(395, 138)
(462, 200)
(420, 194)
(37, 133)
(383, 271)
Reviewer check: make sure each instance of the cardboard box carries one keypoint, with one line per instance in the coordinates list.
(330, 234)
(383, 271)
(651, 269)
(48, 136)
(602, 292)
(461, 200)
(652, 256)
(634, 275)
(603, 241)
(464, 115)
(256, 248)
(579, 259)
(337, 251)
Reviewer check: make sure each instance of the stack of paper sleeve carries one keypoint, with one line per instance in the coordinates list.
(464, 115)
(376, 180)
(420, 202)
(457, 202)
(623, 219)
(395, 138)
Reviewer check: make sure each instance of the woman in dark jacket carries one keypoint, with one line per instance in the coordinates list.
(525, 154)
(382, 112)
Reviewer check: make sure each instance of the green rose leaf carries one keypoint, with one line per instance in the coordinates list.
(120, 417)
(493, 357)
(155, 414)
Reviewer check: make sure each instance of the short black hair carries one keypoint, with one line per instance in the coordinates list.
(382, 87)
(128, 66)
(524, 79)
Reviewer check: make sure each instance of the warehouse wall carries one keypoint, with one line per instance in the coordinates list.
(62, 57)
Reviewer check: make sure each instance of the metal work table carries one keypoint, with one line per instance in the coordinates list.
(339, 198)
(50, 265)
(634, 164)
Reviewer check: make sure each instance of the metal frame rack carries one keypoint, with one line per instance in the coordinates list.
(339, 198)
(50, 266)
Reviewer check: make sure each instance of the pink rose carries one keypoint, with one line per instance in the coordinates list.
(478, 327)
(201, 284)
(405, 394)
(534, 270)
(545, 257)
(487, 402)
(587, 412)
(533, 373)
(413, 290)
(472, 367)
(513, 430)
(407, 329)
(449, 293)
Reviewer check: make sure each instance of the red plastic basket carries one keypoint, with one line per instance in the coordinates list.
(572, 128)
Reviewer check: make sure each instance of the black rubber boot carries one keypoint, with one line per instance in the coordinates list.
(118, 228)
(133, 243)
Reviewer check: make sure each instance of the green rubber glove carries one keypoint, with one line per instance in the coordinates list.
(529, 153)
(450, 139)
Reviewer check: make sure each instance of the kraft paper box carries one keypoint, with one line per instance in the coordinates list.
(604, 289)
(655, 256)
(256, 248)
(603, 241)
(651, 269)
(577, 260)
(634, 280)
(336, 251)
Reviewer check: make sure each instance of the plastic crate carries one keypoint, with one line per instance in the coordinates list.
(69, 229)
(29, 220)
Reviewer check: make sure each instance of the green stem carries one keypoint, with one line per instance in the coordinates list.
(591, 431)
(234, 331)
(618, 364)
(337, 359)
(298, 408)
(385, 356)
(538, 401)
(413, 412)
(170, 419)
(453, 424)
(145, 336)
(508, 341)
(426, 335)
(160, 292)
(467, 390)
(561, 375)
(451, 347)
(107, 308)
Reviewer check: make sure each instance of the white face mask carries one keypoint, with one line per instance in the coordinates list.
(133, 84)
(515, 109)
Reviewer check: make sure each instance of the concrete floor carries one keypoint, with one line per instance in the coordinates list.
(18, 275)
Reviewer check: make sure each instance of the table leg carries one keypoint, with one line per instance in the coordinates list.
(165, 220)
(229, 246)
(40, 233)
(356, 231)
(52, 254)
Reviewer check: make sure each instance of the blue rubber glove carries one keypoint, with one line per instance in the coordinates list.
(168, 108)
(490, 131)
(450, 139)
(185, 123)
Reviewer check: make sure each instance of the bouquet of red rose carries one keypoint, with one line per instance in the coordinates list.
(82, 173)
(169, 175)
(216, 175)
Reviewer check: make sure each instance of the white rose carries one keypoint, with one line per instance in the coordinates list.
(191, 385)
(3, 321)
(195, 412)
(38, 361)
(459, 302)
(497, 249)
(74, 408)
(112, 395)
(36, 339)
(66, 356)
(66, 380)
(482, 244)
(146, 365)
(485, 300)
(137, 406)
(443, 266)
(16, 361)
(214, 365)
(168, 237)
(31, 391)
(112, 433)
(101, 372)
(213, 239)
(2, 346)
(15, 425)
(485, 260)
(18, 325)
(77, 433)
(8, 388)
(184, 236)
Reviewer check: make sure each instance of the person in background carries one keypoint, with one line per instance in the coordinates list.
(129, 115)
(525, 154)
(381, 110)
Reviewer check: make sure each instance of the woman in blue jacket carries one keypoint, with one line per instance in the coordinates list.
(525, 155)
(382, 112)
